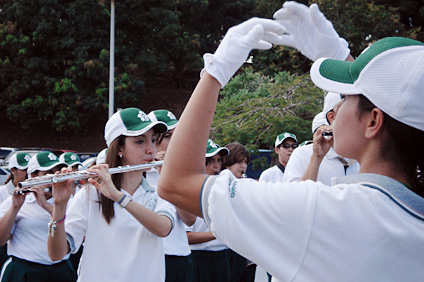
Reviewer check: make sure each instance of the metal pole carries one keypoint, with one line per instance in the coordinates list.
(112, 58)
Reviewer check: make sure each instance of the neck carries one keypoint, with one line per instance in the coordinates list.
(131, 180)
(384, 167)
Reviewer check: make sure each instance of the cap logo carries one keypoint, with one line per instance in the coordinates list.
(73, 157)
(27, 158)
(212, 144)
(171, 115)
(52, 156)
(142, 116)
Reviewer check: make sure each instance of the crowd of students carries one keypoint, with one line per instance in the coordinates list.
(298, 222)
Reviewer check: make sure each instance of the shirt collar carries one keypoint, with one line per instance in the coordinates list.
(396, 191)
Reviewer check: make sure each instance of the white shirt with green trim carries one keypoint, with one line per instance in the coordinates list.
(123, 250)
(308, 231)
(29, 231)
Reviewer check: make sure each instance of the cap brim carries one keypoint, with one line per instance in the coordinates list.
(172, 124)
(222, 150)
(158, 126)
(45, 168)
(333, 76)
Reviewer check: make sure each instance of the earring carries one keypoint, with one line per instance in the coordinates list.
(120, 156)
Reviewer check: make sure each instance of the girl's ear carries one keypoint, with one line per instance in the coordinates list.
(374, 124)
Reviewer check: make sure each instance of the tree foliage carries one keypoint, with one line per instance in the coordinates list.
(254, 108)
(54, 66)
(54, 58)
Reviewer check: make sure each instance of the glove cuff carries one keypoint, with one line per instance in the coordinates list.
(219, 70)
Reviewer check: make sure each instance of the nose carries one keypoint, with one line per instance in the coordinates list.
(150, 148)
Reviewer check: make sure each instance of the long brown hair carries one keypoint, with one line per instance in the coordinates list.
(113, 160)
(404, 146)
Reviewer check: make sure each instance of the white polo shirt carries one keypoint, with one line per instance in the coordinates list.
(29, 232)
(272, 174)
(176, 243)
(214, 245)
(6, 191)
(330, 167)
(123, 250)
(307, 231)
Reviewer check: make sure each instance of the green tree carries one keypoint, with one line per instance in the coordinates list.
(54, 63)
(360, 22)
(254, 108)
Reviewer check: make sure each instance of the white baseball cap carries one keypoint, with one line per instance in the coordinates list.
(101, 157)
(319, 120)
(43, 161)
(130, 122)
(70, 159)
(19, 160)
(164, 116)
(330, 100)
(390, 73)
(283, 136)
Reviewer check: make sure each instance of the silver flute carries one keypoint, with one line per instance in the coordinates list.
(327, 134)
(83, 174)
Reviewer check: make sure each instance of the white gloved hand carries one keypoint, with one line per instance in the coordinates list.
(236, 45)
(310, 32)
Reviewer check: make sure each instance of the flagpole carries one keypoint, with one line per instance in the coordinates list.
(112, 58)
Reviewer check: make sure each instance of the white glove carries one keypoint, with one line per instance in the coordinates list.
(236, 45)
(310, 32)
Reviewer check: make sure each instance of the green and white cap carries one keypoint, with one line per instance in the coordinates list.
(212, 149)
(101, 157)
(130, 122)
(389, 73)
(70, 159)
(330, 100)
(164, 116)
(19, 160)
(283, 136)
(44, 161)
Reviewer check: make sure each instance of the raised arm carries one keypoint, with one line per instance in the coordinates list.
(183, 172)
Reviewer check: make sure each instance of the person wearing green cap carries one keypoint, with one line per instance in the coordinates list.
(209, 255)
(23, 225)
(177, 251)
(365, 227)
(18, 164)
(119, 217)
(71, 159)
(285, 143)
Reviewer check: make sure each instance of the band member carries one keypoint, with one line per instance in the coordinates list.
(71, 159)
(23, 225)
(177, 252)
(236, 161)
(209, 255)
(18, 165)
(119, 217)
(296, 230)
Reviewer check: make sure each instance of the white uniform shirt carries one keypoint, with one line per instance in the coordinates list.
(272, 174)
(330, 167)
(123, 250)
(308, 231)
(176, 243)
(214, 245)
(6, 191)
(29, 232)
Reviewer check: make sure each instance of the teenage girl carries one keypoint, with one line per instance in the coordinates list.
(119, 216)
